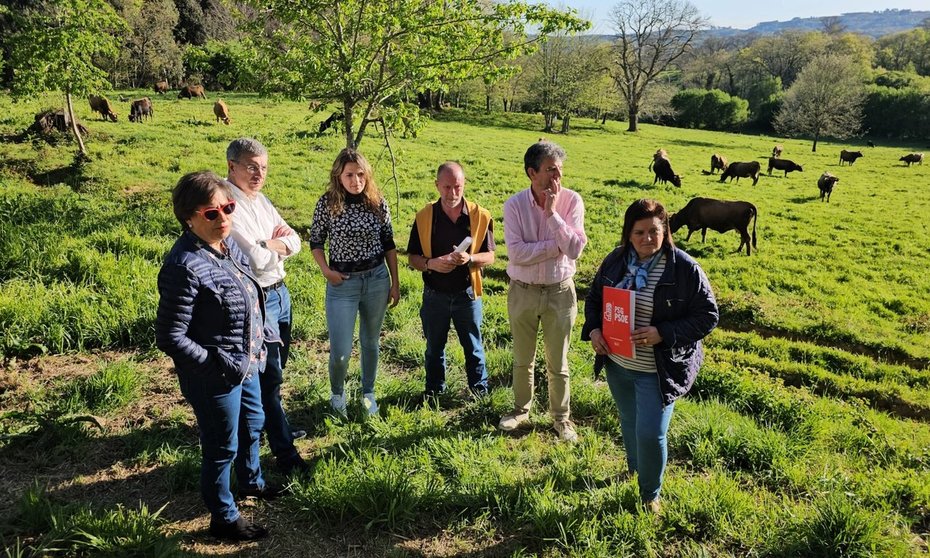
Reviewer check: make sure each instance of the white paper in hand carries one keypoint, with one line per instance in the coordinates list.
(463, 245)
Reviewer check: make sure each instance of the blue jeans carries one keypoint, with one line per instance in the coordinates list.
(278, 321)
(230, 419)
(365, 295)
(643, 423)
(464, 312)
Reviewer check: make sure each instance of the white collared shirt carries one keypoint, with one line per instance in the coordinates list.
(254, 221)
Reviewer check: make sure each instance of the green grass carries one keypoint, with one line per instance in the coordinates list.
(806, 434)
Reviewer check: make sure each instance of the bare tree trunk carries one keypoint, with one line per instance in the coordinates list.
(565, 123)
(634, 118)
(487, 104)
(74, 128)
(549, 120)
(816, 137)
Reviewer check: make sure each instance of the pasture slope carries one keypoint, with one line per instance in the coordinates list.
(807, 433)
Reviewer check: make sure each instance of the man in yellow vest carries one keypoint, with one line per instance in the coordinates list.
(451, 266)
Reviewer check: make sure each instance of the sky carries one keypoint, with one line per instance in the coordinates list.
(739, 14)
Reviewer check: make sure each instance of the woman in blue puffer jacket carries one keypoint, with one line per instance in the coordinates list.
(674, 310)
(210, 322)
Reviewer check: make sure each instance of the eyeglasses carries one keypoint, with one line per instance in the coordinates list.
(211, 213)
(254, 168)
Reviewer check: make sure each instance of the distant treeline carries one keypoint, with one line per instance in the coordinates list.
(725, 83)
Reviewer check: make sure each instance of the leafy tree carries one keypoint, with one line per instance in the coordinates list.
(366, 55)
(55, 48)
(564, 71)
(826, 99)
(713, 110)
(783, 55)
(150, 52)
(652, 34)
(221, 65)
(907, 51)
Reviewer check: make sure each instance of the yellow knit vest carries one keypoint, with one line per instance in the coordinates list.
(480, 220)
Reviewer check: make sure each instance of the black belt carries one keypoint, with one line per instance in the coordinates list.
(273, 286)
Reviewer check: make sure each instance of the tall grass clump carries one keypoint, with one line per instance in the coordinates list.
(112, 387)
(78, 530)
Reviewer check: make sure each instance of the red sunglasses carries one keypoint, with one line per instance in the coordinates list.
(211, 213)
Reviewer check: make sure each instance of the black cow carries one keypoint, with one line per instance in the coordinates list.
(849, 156)
(786, 165)
(870, 143)
(329, 122)
(913, 158)
(721, 216)
(663, 170)
(826, 183)
(141, 108)
(744, 170)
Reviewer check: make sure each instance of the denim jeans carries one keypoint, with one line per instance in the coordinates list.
(230, 419)
(278, 320)
(643, 423)
(363, 294)
(464, 312)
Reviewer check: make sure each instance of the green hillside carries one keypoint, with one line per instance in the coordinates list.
(806, 434)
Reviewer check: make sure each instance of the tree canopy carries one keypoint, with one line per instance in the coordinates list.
(366, 56)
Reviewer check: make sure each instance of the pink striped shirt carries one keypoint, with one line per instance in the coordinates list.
(542, 250)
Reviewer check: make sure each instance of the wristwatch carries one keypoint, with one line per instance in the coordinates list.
(263, 244)
(426, 268)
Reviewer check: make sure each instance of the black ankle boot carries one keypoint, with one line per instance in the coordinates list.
(239, 530)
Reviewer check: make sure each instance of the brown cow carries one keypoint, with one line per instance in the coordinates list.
(786, 165)
(913, 158)
(776, 151)
(161, 87)
(191, 91)
(221, 111)
(717, 161)
(744, 170)
(141, 108)
(721, 216)
(102, 105)
(826, 183)
(849, 156)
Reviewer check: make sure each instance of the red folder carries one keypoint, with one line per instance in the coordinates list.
(619, 320)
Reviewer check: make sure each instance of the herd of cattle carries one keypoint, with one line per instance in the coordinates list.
(722, 216)
(699, 214)
(140, 109)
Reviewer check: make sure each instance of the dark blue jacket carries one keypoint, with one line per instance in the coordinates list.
(204, 315)
(684, 311)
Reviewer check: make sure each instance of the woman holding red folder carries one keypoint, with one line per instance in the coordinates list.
(674, 310)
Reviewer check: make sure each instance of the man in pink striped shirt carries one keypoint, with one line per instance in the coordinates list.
(544, 234)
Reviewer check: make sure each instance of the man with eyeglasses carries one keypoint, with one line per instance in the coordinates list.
(267, 241)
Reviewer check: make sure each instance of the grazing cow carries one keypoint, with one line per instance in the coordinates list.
(744, 170)
(786, 165)
(329, 122)
(870, 143)
(776, 151)
(141, 108)
(717, 161)
(161, 87)
(826, 183)
(913, 158)
(221, 111)
(721, 216)
(664, 173)
(102, 105)
(191, 91)
(849, 156)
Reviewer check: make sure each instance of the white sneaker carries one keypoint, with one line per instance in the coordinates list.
(371, 405)
(566, 430)
(338, 403)
(512, 421)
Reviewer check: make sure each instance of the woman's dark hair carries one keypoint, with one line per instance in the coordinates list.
(646, 209)
(194, 190)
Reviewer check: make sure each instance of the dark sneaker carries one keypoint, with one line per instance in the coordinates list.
(299, 434)
(270, 491)
(239, 530)
(293, 465)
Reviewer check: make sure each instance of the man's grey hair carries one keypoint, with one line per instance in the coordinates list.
(538, 152)
(449, 166)
(245, 146)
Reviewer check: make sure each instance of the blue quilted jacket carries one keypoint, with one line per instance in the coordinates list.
(203, 315)
(684, 311)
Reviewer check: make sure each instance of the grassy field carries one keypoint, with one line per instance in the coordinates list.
(807, 433)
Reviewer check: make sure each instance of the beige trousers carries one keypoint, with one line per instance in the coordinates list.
(555, 307)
